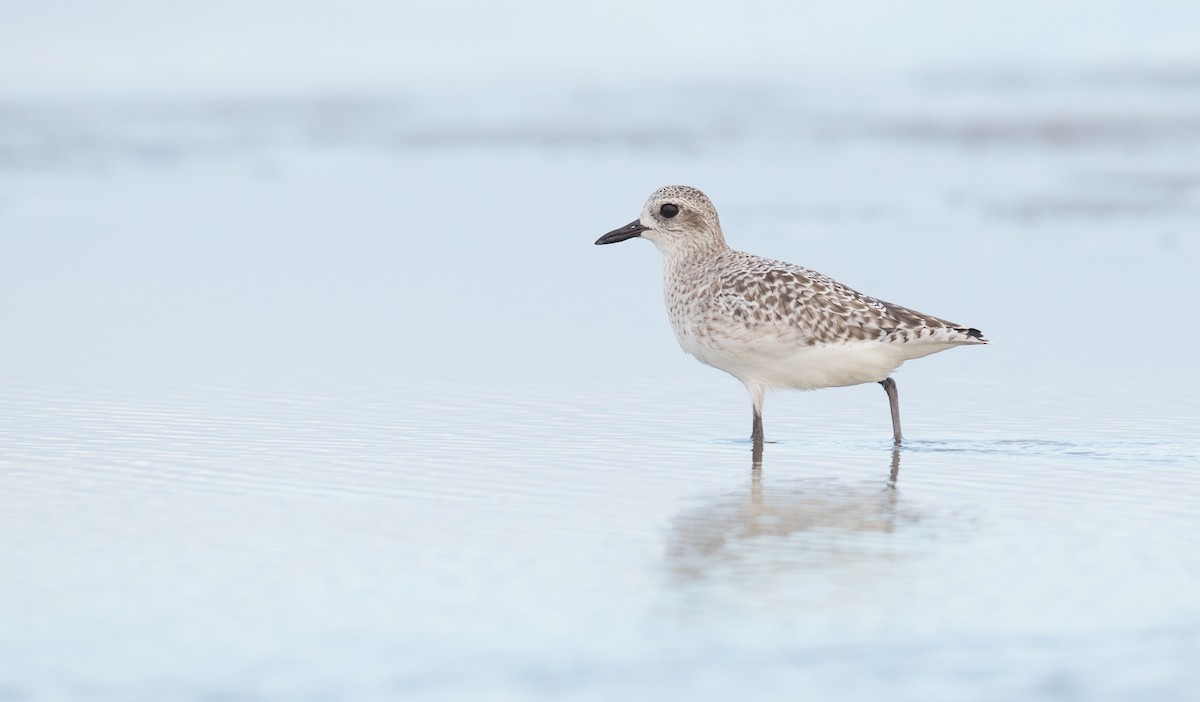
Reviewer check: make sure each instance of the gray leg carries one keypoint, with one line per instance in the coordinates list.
(756, 436)
(757, 392)
(890, 386)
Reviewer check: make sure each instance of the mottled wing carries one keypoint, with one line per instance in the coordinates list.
(823, 310)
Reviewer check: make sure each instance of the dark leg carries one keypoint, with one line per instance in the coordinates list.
(756, 436)
(890, 386)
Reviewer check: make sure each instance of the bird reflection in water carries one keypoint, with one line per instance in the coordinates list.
(808, 520)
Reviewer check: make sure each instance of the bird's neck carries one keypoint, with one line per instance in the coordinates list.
(691, 252)
(684, 262)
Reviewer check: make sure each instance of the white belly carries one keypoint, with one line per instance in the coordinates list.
(779, 363)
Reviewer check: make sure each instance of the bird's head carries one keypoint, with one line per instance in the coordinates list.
(676, 218)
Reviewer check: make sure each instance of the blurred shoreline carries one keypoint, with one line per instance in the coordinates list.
(1143, 108)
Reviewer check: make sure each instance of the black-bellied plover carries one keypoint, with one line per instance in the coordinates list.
(772, 324)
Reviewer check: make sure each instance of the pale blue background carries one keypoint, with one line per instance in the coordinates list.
(314, 387)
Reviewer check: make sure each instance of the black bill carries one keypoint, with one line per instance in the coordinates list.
(628, 231)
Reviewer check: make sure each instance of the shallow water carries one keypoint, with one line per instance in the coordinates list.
(336, 400)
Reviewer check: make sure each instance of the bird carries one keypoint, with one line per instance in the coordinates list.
(775, 325)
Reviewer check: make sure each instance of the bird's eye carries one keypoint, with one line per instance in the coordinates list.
(668, 210)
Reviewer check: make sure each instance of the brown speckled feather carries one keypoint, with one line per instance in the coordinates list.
(764, 292)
